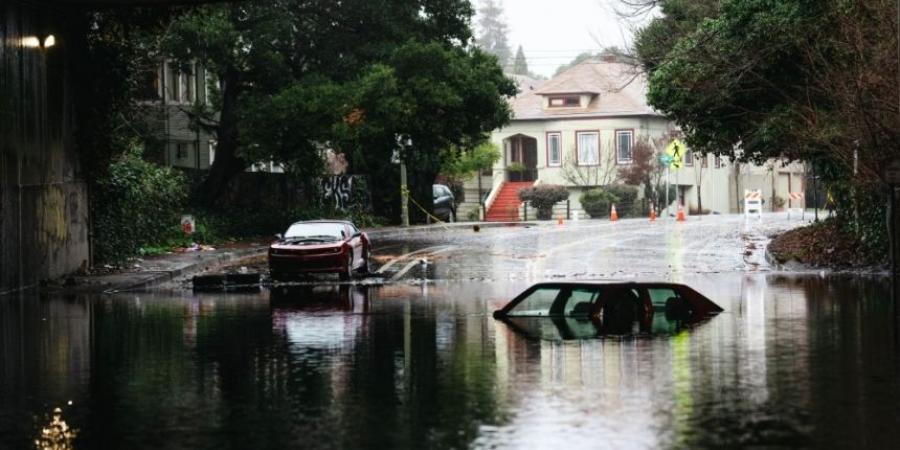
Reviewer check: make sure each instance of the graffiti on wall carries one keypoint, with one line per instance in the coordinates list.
(338, 191)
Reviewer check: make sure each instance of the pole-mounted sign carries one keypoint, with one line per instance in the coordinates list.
(675, 150)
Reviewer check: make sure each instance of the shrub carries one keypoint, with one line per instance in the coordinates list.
(596, 202)
(137, 204)
(627, 204)
(543, 198)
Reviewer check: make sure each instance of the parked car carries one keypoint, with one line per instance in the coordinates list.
(584, 309)
(444, 202)
(320, 246)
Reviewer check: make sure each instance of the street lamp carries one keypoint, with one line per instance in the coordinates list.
(398, 158)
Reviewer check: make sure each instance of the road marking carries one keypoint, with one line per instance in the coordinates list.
(391, 263)
(413, 263)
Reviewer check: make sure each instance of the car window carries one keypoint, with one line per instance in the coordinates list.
(659, 296)
(538, 303)
(581, 302)
(323, 231)
(557, 301)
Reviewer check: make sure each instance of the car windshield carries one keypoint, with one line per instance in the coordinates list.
(315, 232)
(557, 301)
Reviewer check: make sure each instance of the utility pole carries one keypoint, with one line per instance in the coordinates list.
(404, 197)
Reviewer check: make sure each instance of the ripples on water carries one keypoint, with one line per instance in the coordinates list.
(793, 361)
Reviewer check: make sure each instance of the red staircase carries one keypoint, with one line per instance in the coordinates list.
(506, 206)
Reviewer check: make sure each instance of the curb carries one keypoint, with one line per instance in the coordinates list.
(199, 266)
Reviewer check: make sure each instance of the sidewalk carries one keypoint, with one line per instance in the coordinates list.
(156, 270)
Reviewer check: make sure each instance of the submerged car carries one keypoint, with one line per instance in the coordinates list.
(320, 246)
(585, 309)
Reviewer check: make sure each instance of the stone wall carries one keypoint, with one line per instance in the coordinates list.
(43, 199)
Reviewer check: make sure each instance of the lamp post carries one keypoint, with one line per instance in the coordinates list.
(398, 158)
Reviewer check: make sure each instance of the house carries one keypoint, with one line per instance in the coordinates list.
(172, 91)
(579, 130)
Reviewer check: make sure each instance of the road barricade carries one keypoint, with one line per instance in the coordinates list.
(796, 198)
(753, 203)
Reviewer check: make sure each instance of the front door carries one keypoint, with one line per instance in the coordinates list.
(521, 158)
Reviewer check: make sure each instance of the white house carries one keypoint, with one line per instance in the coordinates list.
(579, 130)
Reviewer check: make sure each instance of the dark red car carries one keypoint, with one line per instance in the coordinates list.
(320, 246)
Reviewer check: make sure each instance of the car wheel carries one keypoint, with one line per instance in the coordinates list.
(364, 268)
(347, 273)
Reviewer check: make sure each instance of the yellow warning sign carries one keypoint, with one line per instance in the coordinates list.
(676, 150)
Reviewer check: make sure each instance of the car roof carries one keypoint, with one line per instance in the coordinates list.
(345, 222)
(594, 283)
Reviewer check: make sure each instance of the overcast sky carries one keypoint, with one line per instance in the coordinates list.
(553, 32)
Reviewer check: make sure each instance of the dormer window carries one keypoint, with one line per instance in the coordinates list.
(565, 101)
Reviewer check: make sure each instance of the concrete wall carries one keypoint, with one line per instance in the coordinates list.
(43, 199)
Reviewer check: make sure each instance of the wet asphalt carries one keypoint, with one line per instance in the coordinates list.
(586, 249)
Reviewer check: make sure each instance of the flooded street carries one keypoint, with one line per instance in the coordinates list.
(793, 361)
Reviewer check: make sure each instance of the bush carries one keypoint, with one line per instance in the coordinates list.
(596, 202)
(137, 204)
(627, 204)
(543, 197)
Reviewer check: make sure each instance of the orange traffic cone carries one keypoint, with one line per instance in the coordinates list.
(613, 215)
(652, 213)
(559, 220)
(680, 216)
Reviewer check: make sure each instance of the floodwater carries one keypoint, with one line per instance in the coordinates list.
(792, 362)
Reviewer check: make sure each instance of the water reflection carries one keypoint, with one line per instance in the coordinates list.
(791, 362)
(56, 435)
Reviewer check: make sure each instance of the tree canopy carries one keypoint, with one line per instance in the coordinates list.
(297, 75)
(492, 31)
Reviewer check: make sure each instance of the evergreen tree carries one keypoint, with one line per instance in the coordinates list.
(520, 66)
(492, 31)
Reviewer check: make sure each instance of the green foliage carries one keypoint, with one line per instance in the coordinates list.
(787, 79)
(297, 80)
(596, 202)
(627, 204)
(137, 204)
(462, 164)
(520, 64)
(516, 166)
(543, 197)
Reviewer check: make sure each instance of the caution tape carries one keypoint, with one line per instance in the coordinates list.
(405, 192)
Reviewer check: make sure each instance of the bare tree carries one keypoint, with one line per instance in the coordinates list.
(602, 174)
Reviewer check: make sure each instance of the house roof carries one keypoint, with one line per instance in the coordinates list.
(616, 89)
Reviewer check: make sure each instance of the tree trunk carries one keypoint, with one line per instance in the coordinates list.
(227, 163)
(699, 201)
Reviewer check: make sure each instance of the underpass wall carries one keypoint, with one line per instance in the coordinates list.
(43, 200)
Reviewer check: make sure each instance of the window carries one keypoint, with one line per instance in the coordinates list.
(187, 87)
(173, 88)
(537, 303)
(689, 158)
(624, 140)
(554, 149)
(212, 151)
(181, 150)
(718, 162)
(566, 101)
(704, 161)
(588, 148)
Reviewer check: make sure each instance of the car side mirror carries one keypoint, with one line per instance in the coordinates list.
(279, 236)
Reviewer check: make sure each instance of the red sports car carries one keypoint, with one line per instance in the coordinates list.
(320, 246)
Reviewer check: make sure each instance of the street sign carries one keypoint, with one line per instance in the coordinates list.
(892, 173)
(665, 160)
(187, 224)
(676, 150)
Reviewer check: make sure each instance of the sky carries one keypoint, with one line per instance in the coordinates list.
(553, 32)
